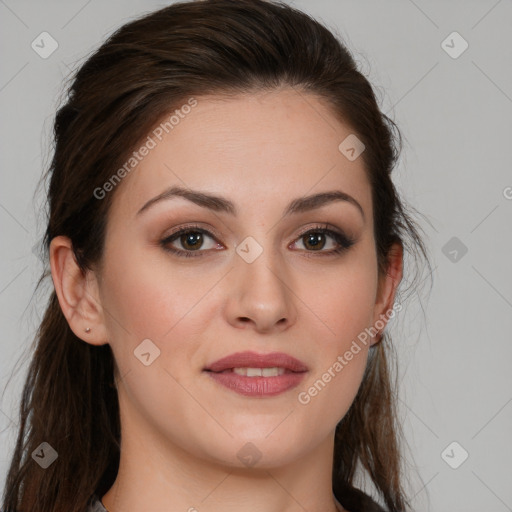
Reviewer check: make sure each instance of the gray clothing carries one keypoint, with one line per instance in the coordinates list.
(95, 505)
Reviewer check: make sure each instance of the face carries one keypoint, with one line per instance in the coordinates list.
(187, 281)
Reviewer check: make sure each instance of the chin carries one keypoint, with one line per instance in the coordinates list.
(258, 452)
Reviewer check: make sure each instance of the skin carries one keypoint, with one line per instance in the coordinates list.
(181, 431)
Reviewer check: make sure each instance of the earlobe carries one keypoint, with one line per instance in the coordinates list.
(387, 288)
(77, 293)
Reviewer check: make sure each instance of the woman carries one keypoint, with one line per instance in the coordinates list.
(226, 245)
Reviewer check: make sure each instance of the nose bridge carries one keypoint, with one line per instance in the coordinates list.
(262, 294)
(260, 265)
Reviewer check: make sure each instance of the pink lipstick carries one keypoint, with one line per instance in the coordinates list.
(258, 375)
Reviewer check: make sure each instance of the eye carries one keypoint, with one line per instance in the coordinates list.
(320, 237)
(191, 239)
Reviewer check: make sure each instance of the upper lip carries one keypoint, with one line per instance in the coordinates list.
(255, 360)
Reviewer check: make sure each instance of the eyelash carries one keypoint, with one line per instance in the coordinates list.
(344, 242)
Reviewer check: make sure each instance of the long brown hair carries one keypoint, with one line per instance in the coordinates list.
(147, 68)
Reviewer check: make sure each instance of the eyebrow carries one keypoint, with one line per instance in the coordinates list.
(223, 205)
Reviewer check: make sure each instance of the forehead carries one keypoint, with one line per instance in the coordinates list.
(264, 147)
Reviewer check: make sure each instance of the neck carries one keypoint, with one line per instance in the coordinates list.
(163, 476)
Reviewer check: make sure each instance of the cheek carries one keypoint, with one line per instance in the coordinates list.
(345, 302)
(149, 299)
(331, 392)
(345, 306)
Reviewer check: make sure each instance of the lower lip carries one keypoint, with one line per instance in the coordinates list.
(258, 386)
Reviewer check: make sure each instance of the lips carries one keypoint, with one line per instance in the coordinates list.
(254, 360)
(258, 375)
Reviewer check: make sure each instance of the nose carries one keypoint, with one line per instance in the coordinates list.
(261, 295)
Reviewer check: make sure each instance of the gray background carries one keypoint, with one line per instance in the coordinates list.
(454, 345)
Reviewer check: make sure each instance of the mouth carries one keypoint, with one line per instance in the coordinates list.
(257, 375)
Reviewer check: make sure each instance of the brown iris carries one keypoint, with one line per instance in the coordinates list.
(315, 240)
(192, 240)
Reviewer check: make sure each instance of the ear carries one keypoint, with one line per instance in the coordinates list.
(386, 290)
(77, 292)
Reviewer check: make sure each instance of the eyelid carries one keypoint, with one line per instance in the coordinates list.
(323, 225)
(208, 231)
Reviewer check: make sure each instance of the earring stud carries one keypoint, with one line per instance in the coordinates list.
(87, 329)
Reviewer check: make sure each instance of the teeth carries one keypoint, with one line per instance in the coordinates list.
(259, 372)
